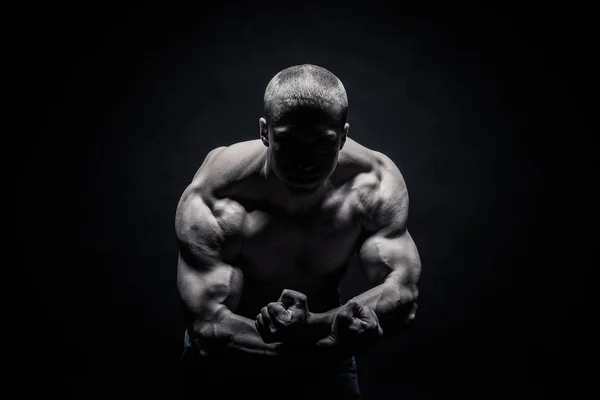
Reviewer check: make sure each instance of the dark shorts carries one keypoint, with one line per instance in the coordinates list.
(267, 378)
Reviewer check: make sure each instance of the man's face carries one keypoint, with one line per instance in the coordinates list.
(304, 146)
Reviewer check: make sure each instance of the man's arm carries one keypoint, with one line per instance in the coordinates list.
(209, 287)
(388, 256)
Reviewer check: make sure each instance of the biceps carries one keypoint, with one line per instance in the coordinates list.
(397, 258)
(208, 291)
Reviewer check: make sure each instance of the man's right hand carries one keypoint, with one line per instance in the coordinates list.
(354, 326)
(284, 320)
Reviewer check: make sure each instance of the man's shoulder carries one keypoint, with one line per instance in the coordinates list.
(222, 166)
(366, 166)
(226, 164)
(376, 180)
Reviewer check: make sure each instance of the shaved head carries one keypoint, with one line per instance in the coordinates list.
(304, 126)
(305, 86)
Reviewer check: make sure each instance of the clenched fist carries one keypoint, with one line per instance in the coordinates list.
(285, 319)
(354, 326)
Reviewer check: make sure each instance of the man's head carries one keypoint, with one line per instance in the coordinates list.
(304, 125)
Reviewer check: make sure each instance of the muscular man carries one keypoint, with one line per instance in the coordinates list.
(266, 230)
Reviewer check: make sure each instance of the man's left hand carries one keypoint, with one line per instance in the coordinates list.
(354, 327)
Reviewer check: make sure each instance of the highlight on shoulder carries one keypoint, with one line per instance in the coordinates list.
(225, 164)
(359, 158)
(377, 182)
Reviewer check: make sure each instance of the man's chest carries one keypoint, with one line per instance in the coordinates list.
(276, 245)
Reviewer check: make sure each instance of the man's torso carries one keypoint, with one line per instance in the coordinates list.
(277, 246)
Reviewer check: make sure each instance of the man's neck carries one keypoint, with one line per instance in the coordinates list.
(292, 200)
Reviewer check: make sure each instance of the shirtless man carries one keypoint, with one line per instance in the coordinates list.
(266, 230)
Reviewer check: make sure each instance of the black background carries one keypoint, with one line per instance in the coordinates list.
(468, 103)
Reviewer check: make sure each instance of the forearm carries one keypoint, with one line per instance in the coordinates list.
(232, 333)
(394, 307)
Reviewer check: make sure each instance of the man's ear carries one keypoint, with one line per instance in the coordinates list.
(264, 131)
(344, 135)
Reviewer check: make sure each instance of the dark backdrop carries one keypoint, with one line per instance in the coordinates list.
(465, 102)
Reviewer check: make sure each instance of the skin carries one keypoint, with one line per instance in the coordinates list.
(266, 230)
